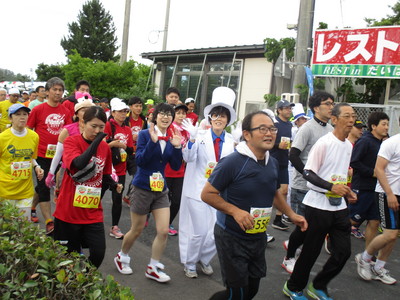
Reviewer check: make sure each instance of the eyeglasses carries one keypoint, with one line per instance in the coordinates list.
(328, 103)
(348, 117)
(215, 117)
(165, 114)
(264, 129)
(123, 111)
(15, 95)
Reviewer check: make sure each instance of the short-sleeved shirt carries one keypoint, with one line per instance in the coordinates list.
(122, 134)
(390, 150)
(15, 149)
(4, 120)
(35, 103)
(245, 183)
(48, 121)
(284, 130)
(65, 210)
(330, 160)
(306, 137)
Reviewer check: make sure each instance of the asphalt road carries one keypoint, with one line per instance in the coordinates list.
(347, 285)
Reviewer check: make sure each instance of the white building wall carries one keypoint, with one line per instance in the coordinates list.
(256, 82)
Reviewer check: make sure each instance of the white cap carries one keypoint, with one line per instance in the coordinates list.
(25, 92)
(270, 113)
(222, 96)
(13, 91)
(117, 104)
(189, 100)
(298, 112)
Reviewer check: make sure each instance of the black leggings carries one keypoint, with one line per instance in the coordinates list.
(175, 185)
(117, 202)
(239, 293)
(74, 235)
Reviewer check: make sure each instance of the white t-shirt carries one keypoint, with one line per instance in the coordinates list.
(329, 158)
(390, 150)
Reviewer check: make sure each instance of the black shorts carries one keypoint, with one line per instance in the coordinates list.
(41, 188)
(389, 218)
(240, 258)
(366, 207)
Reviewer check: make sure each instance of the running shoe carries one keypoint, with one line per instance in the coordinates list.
(116, 232)
(288, 264)
(363, 267)
(207, 269)
(126, 200)
(382, 275)
(286, 244)
(293, 295)
(172, 231)
(190, 273)
(122, 264)
(279, 225)
(286, 220)
(327, 245)
(269, 238)
(355, 231)
(317, 294)
(156, 273)
(34, 217)
(49, 227)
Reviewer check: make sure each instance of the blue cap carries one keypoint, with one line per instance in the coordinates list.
(16, 107)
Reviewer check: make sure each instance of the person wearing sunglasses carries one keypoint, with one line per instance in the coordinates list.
(202, 153)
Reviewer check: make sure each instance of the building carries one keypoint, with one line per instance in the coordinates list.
(197, 72)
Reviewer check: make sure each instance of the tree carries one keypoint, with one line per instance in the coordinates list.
(45, 72)
(93, 35)
(273, 48)
(108, 79)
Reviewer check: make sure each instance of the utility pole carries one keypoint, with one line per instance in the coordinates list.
(125, 34)
(303, 41)
(164, 44)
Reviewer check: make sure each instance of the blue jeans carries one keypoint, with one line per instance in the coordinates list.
(296, 200)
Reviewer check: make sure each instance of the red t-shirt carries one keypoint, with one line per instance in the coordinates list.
(169, 172)
(193, 117)
(124, 135)
(136, 126)
(70, 106)
(65, 210)
(48, 121)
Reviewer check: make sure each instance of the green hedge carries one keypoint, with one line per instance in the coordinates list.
(34, 266)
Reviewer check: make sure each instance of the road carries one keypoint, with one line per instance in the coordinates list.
(348, 285)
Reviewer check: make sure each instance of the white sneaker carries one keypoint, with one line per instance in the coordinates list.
(122, 264)
(288, 264)
(382, 275)
(363, 267)
(156, 273)
(190, 273)
(207, 269)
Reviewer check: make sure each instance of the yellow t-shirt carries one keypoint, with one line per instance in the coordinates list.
(16, 168)
(4, 120)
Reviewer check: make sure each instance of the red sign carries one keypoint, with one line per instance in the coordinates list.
(368, 46)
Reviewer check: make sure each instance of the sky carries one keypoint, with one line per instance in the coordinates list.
(32, 30)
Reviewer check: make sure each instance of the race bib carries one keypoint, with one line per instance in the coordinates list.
(210, 168)
(50, 151)
(261, 219)
(123, 154)
(87, 197)
(156, 182)
(21, 170)
(336, 179)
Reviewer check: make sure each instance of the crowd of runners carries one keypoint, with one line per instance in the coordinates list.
(225, 178)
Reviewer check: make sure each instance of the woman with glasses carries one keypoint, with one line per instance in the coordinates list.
(119, 138)
(4, 105)
(203, 151)
(155, 148)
